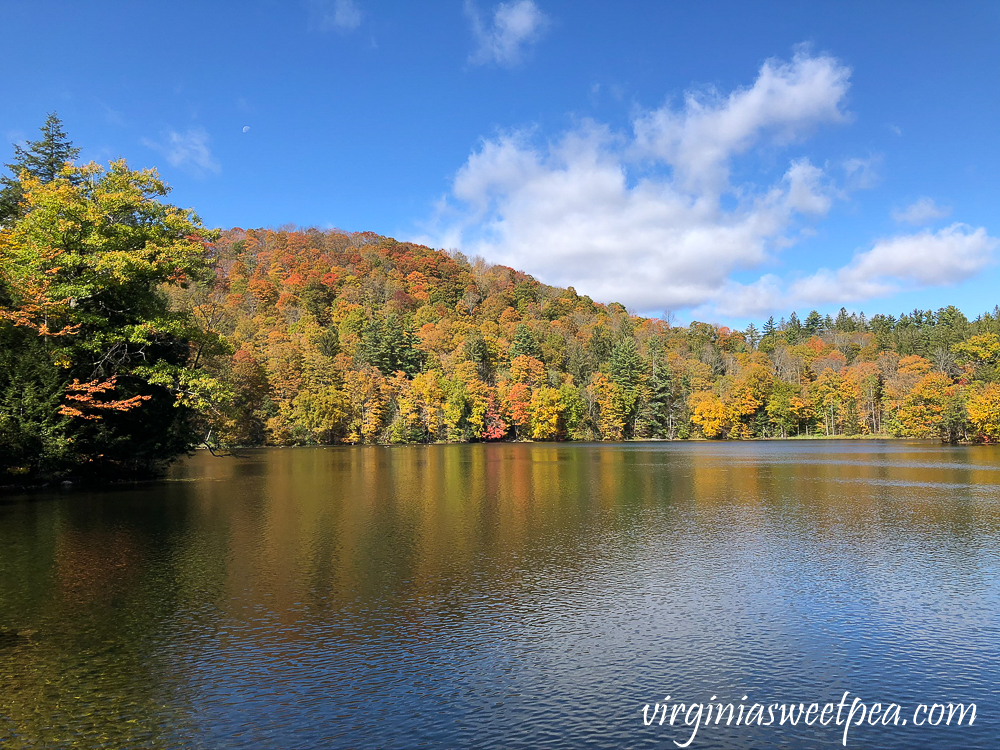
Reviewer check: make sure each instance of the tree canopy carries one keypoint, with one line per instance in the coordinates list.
(129, 333)
(93, 351)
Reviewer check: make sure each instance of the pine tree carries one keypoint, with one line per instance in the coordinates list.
(793, 331)
(769, 328)
(626, 367)
(524, 343)
(42, 159)
(769, 334)
(600, 344)
(626, 364)
(478, 351)
(664, 401)
(390, 346)
(814, 323)
(844, 322)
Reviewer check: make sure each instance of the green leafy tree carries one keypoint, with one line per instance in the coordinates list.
(83, 271)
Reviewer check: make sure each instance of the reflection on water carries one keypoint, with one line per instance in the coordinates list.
(503, 595)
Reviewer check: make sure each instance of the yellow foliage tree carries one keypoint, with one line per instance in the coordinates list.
(320, 411)
(983, 408)
(613, 406)
(429, 399)
(546, 409)
(367, 397)
(708, 413)
(920, 414)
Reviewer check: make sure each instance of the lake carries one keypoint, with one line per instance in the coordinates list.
(507, 595)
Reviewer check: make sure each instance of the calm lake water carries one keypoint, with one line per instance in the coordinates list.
(514, 596)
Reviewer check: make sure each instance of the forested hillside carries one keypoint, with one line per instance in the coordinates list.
(129, 334)
(353, 338)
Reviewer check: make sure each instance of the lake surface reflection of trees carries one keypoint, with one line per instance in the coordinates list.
(496, 594)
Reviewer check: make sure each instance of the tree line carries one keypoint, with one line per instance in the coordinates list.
(130, 334)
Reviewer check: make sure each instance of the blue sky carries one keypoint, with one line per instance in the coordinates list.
(724, 161)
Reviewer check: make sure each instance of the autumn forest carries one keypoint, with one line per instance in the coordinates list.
(130, 334)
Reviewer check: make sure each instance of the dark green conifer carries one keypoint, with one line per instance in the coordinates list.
(42, 159)
(524, 343)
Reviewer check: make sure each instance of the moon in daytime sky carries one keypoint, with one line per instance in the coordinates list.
(246, 128)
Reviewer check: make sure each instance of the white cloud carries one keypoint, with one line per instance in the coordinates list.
(786, 100)
(948, 256)
(922, 211)
(188, 150)
(650, 219)
(516, 25)
(335, 15)
(747, 300)
(806, 192)
(653, 219)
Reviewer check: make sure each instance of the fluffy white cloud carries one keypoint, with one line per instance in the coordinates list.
(335, 15)
(651, 219)
(188, 150)
(515, 26)
(951, 255)
(786, 100)
(922, 211)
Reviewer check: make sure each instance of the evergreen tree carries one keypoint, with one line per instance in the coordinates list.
(625, 368)
(793, 331)
(753, 336)
(478, 351)
(316, 297)
(600, 344)
(328, 342)
(769, 335)
(666, 400)
(769, 329)
(524, 343)
(626, 365)
(389, 346)
(42, 159)
(578, 362)
(813, 323)
(35, 436)
(844, 323)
